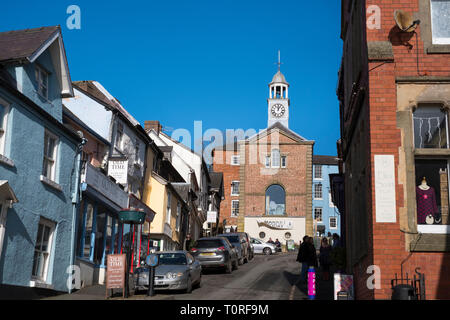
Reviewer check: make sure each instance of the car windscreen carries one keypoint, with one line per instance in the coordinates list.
(172, 259)
(208, 244)
(233, 239)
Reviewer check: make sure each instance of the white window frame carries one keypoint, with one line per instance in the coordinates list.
(267, 161)
(169, 208)
(233, 212)
(277, 157)
(336, 222)
(315, 172)
(52, 227)
(39, 72)
(3, 126)
(52, 176)
(321, 214)
(283, 161)
(235, 160)
(232, 184)
(3, 210)
(120, 129)
(438, 41)
(177, 226)
(315, 191)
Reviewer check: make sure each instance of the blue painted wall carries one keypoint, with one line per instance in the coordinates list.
(327, 210)
(25, 146)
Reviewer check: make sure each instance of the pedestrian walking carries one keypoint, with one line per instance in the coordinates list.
(325, 259)
(301, 257)
(336, 240)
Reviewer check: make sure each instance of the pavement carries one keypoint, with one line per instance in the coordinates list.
(265, 278)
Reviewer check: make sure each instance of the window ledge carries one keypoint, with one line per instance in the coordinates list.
(40, 284)
(50, 183)
(434, 229)
(439, 48)
(6, 161)
(426, 242)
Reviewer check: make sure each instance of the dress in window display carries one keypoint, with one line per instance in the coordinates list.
(426, 203)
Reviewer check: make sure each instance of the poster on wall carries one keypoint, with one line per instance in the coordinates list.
(343, 287)
(118, 169)
(211, 217)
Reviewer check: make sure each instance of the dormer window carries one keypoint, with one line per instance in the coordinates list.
(42, 81)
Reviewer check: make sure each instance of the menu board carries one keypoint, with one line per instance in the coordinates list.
(115, 271)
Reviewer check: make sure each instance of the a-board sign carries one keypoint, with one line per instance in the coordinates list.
(115, 271)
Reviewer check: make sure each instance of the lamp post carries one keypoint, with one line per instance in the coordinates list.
(132, 217)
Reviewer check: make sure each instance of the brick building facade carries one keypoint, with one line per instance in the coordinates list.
(268, 176)
(394, 92)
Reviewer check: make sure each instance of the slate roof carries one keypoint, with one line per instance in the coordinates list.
(326, 160)
(21, 44)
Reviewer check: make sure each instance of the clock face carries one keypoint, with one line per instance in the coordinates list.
(278, 110)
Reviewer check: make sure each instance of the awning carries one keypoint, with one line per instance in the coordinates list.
(6, 192)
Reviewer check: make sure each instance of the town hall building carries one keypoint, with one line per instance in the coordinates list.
(268, 176)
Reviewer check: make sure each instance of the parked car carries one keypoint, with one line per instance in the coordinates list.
(251, 250)
(177, 270)
(262, 247)
(240, 242)
(215, 252)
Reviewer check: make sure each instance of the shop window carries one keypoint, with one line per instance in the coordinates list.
(430, 127)
(88, 231)
(99, 238)
(42, 249)
(275, 200)
(432, 198)
(440, 21)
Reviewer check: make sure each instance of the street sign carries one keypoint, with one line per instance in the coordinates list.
(115, 272)
(152, 260)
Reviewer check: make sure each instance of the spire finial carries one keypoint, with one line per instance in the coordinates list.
(279, 60)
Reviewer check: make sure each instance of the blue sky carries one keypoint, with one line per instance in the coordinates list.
(183, 61)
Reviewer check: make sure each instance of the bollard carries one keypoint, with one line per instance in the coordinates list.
(311, 283)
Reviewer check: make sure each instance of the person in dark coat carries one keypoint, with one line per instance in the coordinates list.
(324, 258)
(302, 257)
(311, 253)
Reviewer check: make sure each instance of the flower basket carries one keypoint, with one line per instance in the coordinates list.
(132, 216)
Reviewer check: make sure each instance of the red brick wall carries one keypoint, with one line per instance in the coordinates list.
(222, 163)
(388, 247)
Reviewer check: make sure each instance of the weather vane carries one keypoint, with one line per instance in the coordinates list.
(279, 60)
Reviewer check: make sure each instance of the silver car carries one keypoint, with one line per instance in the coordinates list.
(177, 270)
(261, 247)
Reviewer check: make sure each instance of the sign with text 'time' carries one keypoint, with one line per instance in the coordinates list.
(385, 204)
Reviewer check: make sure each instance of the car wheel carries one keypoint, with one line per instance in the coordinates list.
(267, 251)
(229, 267)
(189, 285)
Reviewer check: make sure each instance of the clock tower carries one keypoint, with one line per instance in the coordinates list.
(278, 102)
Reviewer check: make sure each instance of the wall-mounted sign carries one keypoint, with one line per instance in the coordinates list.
(276, 224)
(118, 169)
(211, 217)
(385, 205)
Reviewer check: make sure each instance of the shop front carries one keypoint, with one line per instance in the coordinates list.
(99, 231)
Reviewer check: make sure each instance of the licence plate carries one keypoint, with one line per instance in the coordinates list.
(159, 283)
(207, 254)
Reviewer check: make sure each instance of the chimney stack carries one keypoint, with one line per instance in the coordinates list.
(153, 124)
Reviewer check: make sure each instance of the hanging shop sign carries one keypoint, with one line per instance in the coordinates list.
(276, 224)
(115, 272)
(118, 169)
(211, 217)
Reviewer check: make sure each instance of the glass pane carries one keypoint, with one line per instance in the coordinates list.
(432, 191)
(39, 237)
(36, 264)
(45, 239)
(430, 128)
(88, 231)
(99, 237)
(108, 234)
(2, 115)
(275, 200)
(275, 158)
(440, 21)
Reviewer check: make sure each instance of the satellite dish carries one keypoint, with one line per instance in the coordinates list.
(405, 21)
